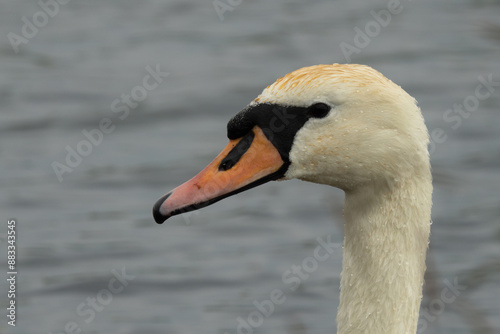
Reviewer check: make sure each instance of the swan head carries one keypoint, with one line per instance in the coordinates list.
(346, 125)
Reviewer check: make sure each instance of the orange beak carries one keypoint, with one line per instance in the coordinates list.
(245, 163)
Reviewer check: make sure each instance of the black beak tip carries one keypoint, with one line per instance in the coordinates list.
(157, 215)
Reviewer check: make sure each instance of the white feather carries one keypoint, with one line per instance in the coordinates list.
(373, 145)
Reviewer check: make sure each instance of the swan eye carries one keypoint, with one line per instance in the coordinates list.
(318, 110)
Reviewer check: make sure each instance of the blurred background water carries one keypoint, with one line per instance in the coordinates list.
(198, 273)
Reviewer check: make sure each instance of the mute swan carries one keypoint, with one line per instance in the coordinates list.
(350, 127)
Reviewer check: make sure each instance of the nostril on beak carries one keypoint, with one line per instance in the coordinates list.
(237, 152)
(226, 165)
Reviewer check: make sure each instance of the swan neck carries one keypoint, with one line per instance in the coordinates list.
(386, 238)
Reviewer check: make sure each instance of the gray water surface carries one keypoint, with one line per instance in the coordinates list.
(200, 272)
